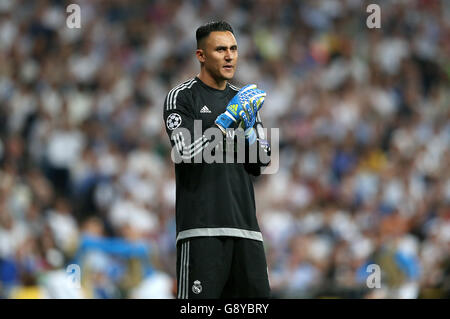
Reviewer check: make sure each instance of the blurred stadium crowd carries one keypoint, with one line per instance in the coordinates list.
(364, 172)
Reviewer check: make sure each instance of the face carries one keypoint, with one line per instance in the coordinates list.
(219, 55)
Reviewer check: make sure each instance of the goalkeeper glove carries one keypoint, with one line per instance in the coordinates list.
(243, 106)
(248, 117)
(231, 114)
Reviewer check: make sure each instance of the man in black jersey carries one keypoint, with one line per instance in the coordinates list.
(220, 252)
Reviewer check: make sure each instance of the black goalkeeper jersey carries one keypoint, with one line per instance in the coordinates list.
(212, 199)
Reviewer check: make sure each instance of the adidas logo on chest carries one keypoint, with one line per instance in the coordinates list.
(205, 109)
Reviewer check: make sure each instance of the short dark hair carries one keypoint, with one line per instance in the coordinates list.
(204, 30)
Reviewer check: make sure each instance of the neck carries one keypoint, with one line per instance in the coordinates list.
(206, 78)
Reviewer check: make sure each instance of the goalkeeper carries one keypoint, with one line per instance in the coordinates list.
(220, 252)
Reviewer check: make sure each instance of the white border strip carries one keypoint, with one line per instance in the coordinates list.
(172, 91)
(211, 232)
(233, 87)
(180, 279)
(174, 100)
(186, 295)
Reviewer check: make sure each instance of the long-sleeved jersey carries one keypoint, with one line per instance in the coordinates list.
(212, 199)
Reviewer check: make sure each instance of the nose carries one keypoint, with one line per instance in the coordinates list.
(229, 55)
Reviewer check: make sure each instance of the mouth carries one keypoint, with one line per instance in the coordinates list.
(228, 67)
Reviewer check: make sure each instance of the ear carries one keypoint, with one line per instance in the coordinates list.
(200, 55)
